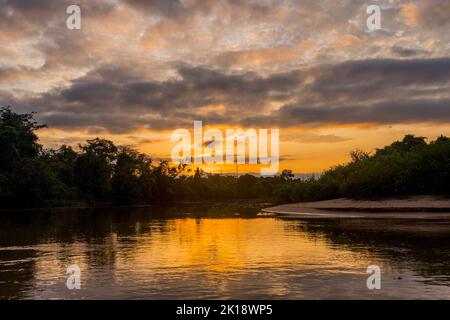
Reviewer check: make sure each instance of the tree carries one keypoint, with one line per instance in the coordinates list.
(246, 186)
(17, 137)
(286, 175)
(408, 143)
(20, 170)
(132, 180)
(94, 168)
(63, 163)
(359, 155)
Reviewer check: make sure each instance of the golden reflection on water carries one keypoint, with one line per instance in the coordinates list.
(216, 250)
(233, 257)
(226, 245)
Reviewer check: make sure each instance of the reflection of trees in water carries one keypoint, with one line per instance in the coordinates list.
(422, 246)
(87, 225)
(69, 226)
(92, 235)
(89, 235)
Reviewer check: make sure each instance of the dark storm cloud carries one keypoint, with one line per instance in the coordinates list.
(385, 71)
(353, 81)
(371, 91)
(117, 91)
(407, 52)
(169, 8)
(406, 111)
(176, 8)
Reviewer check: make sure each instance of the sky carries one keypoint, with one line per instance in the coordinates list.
(137, 70)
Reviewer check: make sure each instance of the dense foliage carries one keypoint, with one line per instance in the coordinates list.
(408, 167)
(99, 172)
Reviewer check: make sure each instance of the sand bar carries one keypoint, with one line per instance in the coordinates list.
(417, 207)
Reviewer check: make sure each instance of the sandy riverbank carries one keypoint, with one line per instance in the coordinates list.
(417, 207)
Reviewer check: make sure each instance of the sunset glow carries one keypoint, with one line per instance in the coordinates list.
(137, 70)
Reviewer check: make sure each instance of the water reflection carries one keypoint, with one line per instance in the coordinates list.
(209, 252)
(421, 245)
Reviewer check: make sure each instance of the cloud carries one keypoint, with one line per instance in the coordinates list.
(407, 52)
(116, 99)
(407, 111)
(304, 137)
(162, 64)
(431, 14)
(165, 8)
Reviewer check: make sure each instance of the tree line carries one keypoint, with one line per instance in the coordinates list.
(407, 167)
(101, 173)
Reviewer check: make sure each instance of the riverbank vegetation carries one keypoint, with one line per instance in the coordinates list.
(99, 172)
(407, 167)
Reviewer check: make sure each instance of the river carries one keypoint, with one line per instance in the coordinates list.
(218, 252)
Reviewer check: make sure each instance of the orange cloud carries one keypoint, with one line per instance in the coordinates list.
(410, 14)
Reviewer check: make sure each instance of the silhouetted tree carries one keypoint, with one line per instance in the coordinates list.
(133, 177)
(100, 172)
(94, 168)
(21, 173)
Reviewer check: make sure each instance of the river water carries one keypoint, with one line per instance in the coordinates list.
(218, 252)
